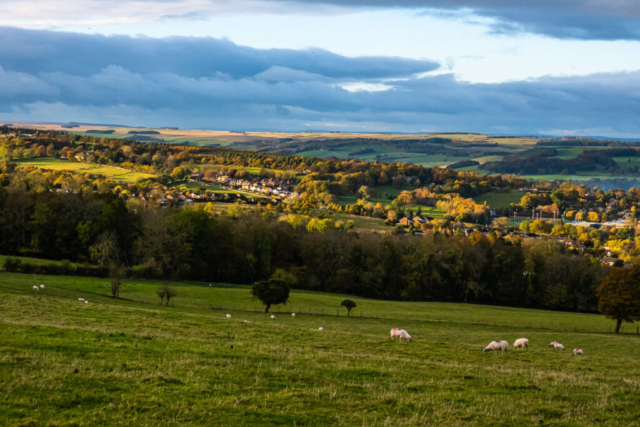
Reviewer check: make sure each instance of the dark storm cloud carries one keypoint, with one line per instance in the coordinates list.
(572, 19)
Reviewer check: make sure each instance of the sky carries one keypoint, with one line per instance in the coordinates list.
(527, 67)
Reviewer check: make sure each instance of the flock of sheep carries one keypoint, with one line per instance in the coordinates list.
(522, 343)
(36, 288)
(495, 346)
(273, 317)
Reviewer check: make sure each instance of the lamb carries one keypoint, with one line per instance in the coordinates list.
(321, 328)
(577, 351)
(521, 343)
(494, 346)
(228, 316)
(273, 316)
(42, 286)
(293, 315)
(35, 288)
(557, 346)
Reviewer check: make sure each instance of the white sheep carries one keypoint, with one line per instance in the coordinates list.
(401, 334)
(321, 328)
(42, 286)
(494, 346)
(81, 299)
(521, 343)
(35, 288)
(557, 346)
(577, 351)
(273, 316)
(228, 316)
(404, 335)
(293, 315)
(246, 321)
(86, 302)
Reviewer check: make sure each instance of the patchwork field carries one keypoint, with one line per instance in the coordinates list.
(115, 173)
(429, 150)
(133, 362)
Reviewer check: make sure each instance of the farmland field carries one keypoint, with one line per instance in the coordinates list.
(133, 362)
(500, 200)
(115, 173)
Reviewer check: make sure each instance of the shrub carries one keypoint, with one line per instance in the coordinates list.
(12, 264)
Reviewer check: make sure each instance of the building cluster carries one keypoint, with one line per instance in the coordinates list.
(279, 188)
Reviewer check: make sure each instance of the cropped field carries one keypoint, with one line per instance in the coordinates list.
(115, 173)
(132, 362)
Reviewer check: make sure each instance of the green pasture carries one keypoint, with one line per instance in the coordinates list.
(134, 362)
(115, 173)
(500, 200)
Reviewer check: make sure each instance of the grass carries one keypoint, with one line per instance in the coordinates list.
(360, 223)
(132, 362)
(500, 200)
(428, 211)
(115, 173)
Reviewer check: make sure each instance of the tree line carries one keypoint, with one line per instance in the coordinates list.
(249, 246)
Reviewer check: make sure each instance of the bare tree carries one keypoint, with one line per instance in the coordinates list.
(117, 273)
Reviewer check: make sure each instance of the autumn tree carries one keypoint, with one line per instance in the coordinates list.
(619, 295)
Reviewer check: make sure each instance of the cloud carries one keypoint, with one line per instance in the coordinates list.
(47, 51)
(572, 19)
(212, 83)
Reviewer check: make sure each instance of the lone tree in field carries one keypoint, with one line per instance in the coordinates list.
(275, 290)
(166, 292)
(349, 305)
(619, 295)
(117, 273)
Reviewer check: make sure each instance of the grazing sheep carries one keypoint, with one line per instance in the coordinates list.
(246, 321)
(35, 288)
(321, 328)
(404, 335)
(494, 346)
(81, 299)
(86, 302)
(577, 351)
(228, 316)
(557, 346)
(293, 315)
(273, 316)
(42, 286)
(521, 343)
(401, 334)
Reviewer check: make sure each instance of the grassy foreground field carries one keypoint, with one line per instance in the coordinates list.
(132, 362)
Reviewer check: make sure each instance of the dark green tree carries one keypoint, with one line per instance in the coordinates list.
(349, 305)
(275, 290)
